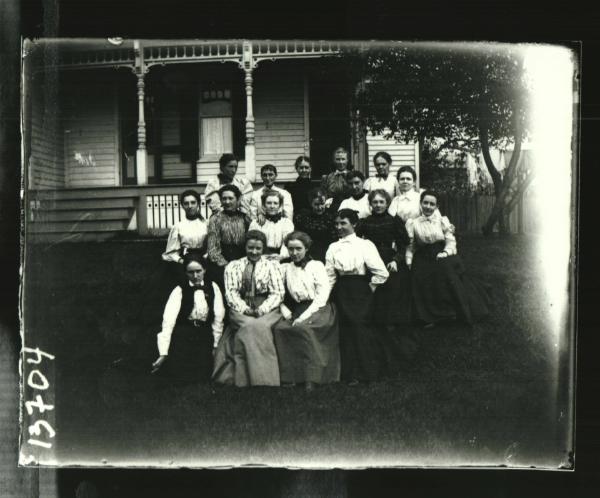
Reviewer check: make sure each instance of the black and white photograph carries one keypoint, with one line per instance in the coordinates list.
(298, 253)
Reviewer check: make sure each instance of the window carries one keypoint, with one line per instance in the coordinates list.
(216, 122)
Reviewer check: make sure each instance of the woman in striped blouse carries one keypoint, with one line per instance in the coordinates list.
(254, 290)
(441, 290)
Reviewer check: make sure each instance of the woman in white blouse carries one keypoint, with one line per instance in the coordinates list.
(441, 290)
(383, 180)
(275, 226)
(254, 290)
(189, 232)
(191, 327)
(306, 337)
(355, 270)
(407, 203)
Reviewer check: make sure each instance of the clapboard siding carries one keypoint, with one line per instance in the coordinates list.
(91, 131)
(173, 167)
(279, 122)
(402, 154)
(46, 163)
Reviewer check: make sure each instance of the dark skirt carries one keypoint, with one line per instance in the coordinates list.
(309, 352)
(359, 345)
(442, 291)
(392, 300)
(190, 358)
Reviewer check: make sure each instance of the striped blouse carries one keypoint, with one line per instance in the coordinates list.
(267, 280)
(226, 229)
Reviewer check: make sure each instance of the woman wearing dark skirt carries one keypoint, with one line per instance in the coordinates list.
(191, 328)
(306, 337)
(392, 300)
(441, 290)
(355, 270)
(318, 223)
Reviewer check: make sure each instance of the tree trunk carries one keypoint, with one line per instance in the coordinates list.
(503, 189)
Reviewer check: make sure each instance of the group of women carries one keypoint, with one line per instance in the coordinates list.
(308, 285)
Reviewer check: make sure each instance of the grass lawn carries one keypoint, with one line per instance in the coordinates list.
(481, 396)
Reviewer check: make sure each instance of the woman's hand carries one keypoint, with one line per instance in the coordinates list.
(328, 202)
(392, 266)
(158, 363)
(251, 312)
(441, 255)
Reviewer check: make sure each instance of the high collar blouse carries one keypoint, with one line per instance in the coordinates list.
(406, 205)
(185, 233)
(425, 230)
(389, 184)
(225, 229)
(355, 256)
(267, 281)
(388, 234)
(308, 283)
(361, 205)
(275, 232)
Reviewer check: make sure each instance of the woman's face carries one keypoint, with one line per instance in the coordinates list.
(272, 205)
(379, 204)
(318, 205)
(356, 185)
(382, 166)
(254, 249)
(230, 169)
(303, 170)
(297, 250)
(268, 177)
(190, 206)
(406, 181)
(340, 160)
(428, 205)
(229, 201)
(343, 227)
(195, 273)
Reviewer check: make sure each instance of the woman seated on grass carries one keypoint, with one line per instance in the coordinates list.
(275, 226)
(306, 337)
(355, 270)
(254, 290)
(192, 326)
(441, 290)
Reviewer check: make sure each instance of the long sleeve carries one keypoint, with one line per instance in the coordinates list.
(401, 239)
(276, 290)
(173, 245)
(163, 338)
(410, 248)
(219, 311)
(246, 189)
(211, 194)
(233, 284)
(393, 209)
(288, 205)
(214, 242)
(330, 267)
(322, 289)
(448, 230)
(374, 264)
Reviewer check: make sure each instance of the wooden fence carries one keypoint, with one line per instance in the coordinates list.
(468, 213)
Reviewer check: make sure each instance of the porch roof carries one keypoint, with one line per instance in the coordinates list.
(84, 54)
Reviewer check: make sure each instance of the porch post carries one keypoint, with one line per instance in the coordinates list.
(417, 161)
(141, 154)
(248, 65)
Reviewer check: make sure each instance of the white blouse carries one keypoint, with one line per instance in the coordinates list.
(213, 185)
(188, 233)
(406, 205)
(305, 284)
(361, 205)
(429, 230)
(389, 184)
(275, 232)
(199, 312)
(352, 255)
